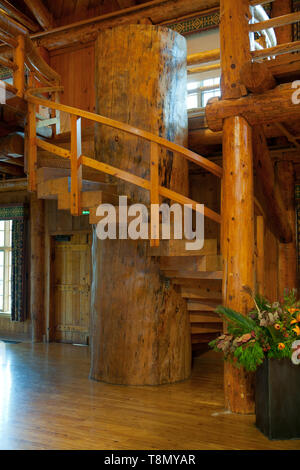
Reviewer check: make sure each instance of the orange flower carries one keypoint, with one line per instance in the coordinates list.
(292, 310)
(297, 330)
(281, 346)
(277, 327)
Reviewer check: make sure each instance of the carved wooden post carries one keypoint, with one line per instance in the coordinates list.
(37, 220)
(237, 237)
(287, 254)
(140, 328)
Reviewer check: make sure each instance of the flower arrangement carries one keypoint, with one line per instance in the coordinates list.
(270, 330)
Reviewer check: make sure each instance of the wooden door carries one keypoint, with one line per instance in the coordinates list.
(72, 289)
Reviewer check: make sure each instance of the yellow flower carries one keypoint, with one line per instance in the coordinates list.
(277, 327)
(281, 346)
(293, 322)
(297, 330)
(292, 310)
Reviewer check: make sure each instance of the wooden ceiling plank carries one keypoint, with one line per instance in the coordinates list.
(41, 13)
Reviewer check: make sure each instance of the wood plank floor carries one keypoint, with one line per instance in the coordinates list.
(48, 402)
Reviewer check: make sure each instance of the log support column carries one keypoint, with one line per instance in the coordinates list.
(37, 219)
(237, 237)
(140, 326)
(287, 255)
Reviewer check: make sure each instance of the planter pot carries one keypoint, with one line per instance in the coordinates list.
(277, 399)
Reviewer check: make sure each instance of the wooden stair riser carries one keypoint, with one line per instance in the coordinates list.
(204, 317)
(178, 248)
(191, 263)
(195, 306)
(89, 200)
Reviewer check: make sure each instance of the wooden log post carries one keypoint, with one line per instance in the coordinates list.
(140, 327)
(287, 252)
(237, 237)
(37, 239)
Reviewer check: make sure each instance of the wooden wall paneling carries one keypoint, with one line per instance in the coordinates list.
(77, 69)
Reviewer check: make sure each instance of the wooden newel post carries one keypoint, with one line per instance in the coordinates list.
(237, 238)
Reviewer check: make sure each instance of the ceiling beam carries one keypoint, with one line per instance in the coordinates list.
(157, 10)
(41, 13)
(17, 15)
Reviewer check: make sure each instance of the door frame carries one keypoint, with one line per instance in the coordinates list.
(49, 284)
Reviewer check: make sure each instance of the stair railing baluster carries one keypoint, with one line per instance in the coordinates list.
(76, 166)
(31, 150)
(154, 194)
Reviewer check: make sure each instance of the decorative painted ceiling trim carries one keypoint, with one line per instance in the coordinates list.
(209, 20)
(197, 23)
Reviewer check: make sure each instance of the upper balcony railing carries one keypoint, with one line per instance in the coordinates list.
(196, 61)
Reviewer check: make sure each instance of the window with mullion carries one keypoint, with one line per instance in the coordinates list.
(5, 266)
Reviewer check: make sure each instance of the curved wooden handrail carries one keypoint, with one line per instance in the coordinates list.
(188, 154)
(10, 33)
(38, 63)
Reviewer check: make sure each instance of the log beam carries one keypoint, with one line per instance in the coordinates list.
(18, 16)
(257, 78)
(13, 170)
(272, 106)
(43, 16)
(12, 145)
(269, 193)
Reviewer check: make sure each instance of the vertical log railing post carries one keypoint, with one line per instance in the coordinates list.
(237, 238)
(19, 59)
(76, 166)
(31, 150)
(154, 194)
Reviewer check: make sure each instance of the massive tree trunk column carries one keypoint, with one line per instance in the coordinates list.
(140, 326)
